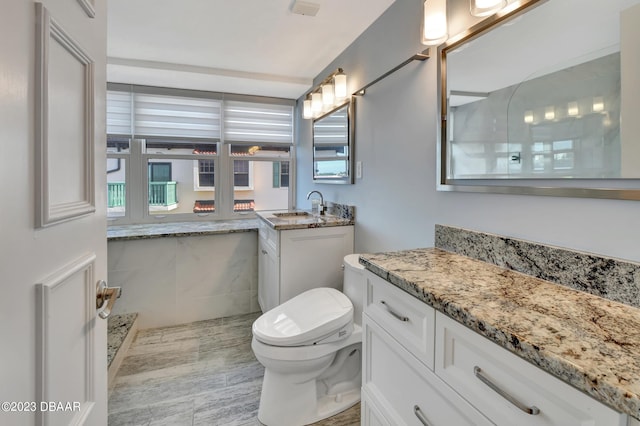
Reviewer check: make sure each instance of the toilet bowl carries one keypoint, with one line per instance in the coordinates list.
(311, 349)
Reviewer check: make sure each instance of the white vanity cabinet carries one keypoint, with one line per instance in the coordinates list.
(466, 380)
(399, 385)
(291, 261)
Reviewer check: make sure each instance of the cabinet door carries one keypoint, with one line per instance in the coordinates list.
(268, 276)
(312, 258)
(371, 415)
(508, 389)
(405, 391)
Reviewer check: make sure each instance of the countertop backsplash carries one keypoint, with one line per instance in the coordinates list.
(612, 279)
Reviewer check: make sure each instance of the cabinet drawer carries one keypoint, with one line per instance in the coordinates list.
(467, 360)
(268, 234)
(405, 390)
(408, 319)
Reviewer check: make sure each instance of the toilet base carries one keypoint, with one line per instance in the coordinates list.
(299, 405)
(297, 399)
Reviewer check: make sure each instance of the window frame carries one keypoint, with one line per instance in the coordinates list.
(136, 160)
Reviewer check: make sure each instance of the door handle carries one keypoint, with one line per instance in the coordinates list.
(105, 298)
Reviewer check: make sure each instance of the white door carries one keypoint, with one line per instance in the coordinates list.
(52, 212)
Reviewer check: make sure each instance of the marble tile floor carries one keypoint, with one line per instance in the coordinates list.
(202, 373)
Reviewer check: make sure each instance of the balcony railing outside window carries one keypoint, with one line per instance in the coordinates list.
(160, 194)
(116, 194)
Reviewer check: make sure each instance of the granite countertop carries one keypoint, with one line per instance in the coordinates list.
(587, 341)
(179, 229)
(301, 221)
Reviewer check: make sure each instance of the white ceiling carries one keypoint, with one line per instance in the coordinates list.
(254, 47)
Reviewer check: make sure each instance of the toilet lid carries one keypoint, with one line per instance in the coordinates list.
(304, 319)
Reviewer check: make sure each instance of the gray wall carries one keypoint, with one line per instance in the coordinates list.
(396, 201)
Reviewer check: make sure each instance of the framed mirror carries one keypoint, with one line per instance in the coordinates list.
(532, 101)
(333, 140)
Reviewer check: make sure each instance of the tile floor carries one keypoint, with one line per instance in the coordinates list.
(203, 373)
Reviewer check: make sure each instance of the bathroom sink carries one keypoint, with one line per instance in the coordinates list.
(291, 215)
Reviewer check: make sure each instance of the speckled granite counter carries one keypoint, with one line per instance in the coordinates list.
(587, 341)
(302, 221)
(179, 229)
(117, 330)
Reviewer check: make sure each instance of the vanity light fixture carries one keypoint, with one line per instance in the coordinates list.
(482, 8)
(331, 92)
(434, 23)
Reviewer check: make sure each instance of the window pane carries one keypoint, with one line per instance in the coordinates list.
(206, 175)
(116, 187)
(284, 174)
(181, 186)
(260, 150)
(179, 147)
(331, 168)
(255, 190)
(117, 145)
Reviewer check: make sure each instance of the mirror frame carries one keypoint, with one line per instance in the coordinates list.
(621, 189)
(350, 103)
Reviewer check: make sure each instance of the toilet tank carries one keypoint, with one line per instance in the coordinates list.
(354, 284)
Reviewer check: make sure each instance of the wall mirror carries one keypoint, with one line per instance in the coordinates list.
(532, 101)
(333, 140)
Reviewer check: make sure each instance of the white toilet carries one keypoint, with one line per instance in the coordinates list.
(311, 348)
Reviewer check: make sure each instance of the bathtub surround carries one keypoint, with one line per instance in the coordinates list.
(177, 280)
(612, 279)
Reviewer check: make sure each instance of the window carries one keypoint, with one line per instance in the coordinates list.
(180, 152)
(206, 174)
(281, 174)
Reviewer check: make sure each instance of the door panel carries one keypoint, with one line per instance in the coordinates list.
(66, 310)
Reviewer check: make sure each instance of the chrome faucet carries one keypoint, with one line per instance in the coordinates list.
(321, 207)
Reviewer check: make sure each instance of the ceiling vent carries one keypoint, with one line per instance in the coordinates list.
(305, 8)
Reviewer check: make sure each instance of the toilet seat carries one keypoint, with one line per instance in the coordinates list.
(319, 315)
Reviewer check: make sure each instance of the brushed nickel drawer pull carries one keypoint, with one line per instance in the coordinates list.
(533, 410)
(394, 313)
(420, 415)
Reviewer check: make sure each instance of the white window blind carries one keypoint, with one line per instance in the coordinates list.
(119, 113)
(173, 116)
(258, 123)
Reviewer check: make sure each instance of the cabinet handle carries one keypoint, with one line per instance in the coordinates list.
(420, 415)
(264, 251)
(394, 313)
(533, 410)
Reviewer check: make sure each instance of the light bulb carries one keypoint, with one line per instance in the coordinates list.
(306, 109)
(340, 85)
(327, 94)
(316, 102)
(434, 23)
(486, 7)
